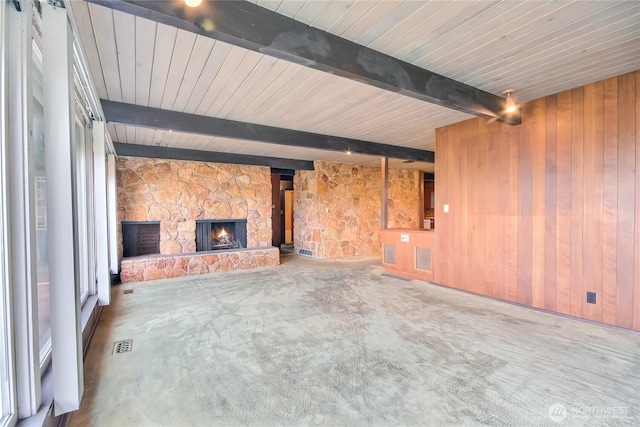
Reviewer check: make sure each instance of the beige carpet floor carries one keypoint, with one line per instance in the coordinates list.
(336, 343)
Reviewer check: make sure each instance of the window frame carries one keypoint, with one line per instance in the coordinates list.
(8, 405)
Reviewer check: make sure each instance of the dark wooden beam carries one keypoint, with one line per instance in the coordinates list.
(253, 27)
(137, 115)
(283, 172)
(135, 150)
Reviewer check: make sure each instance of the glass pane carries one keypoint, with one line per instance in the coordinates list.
(91, 227)
(82, 258)
(40, 193)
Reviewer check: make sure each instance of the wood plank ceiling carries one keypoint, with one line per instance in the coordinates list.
(533, 47)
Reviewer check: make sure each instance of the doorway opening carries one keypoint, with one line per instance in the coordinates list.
(282, 208)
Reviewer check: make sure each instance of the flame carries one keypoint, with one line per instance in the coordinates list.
(222, 233)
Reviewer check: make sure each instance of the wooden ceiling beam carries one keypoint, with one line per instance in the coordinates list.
(156, 118)
(253, 27)
(150, 151)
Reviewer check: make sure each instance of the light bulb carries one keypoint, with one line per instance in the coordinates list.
(193, 3)
(510, 105)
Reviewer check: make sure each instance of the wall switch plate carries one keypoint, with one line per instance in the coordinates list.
(404, 237)
(591, 297)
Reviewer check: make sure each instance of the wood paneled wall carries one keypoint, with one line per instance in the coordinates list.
(543, 212)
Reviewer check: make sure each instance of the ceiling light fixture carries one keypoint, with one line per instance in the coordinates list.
(193, 3)
(510, 103)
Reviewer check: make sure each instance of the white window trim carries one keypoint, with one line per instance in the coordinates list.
(101, 218)
(79, 194)
(66, 332)
(21, 211)
(10, 418)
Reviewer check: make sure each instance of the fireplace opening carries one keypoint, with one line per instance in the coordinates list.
(140, 238)
(215, 235)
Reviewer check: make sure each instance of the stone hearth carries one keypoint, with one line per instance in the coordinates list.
(152, 267)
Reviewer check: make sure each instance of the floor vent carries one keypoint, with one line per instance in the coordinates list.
(393, 276)
(123, 346)
(128, 291)
(305, 252)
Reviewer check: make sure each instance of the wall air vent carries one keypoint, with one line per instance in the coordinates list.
(305, 252)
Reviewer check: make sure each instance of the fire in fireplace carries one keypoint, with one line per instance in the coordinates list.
(212, 235)
(222, 239)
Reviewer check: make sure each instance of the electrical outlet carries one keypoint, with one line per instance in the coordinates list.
(591, 297)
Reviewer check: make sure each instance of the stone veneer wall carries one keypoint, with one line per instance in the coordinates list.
(337, 208)
(177, 193)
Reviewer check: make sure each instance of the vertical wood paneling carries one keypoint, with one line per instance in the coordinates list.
(610, 202)
(558, 215)
(577, 198)
(461, 206)
(550, 200)
(491, 225)
(525, 209)
(473, 200)
(443, 168)
(482, 191)
(563, 233)
(538, 154)
(636, 281)
(593, 209)
(626, 199)
(502, 209)
(514, 142)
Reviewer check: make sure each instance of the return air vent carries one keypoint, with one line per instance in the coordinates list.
(123, 346)
(389, 253)
(305, 252)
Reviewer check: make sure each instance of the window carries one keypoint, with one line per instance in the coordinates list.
(82, 209)
(40, 195)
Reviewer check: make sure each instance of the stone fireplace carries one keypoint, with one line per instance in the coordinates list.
(215, 235)
(192, 202)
